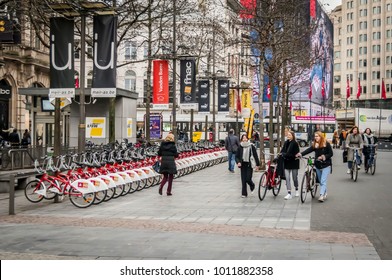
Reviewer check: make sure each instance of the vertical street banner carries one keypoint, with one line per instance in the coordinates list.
(105, 56)
(62, 84)
(246, 102)
(204, 96)
(231, 101)
(223, 96)
(155, 126)
(95, 127)
(160, 95)
(188, 84)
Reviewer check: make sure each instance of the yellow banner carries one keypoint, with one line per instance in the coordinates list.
(95, 127)
(129, 127)
(231, 98)
(246, 98)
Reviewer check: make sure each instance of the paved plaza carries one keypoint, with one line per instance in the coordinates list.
(206, 218)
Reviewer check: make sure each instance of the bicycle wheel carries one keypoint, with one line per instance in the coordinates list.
(313, 183)
(81, 200)
(304, 186)
(354, 173)
(100, 196)
(263, 186)
(118, 190)
(109, 194)
(373, 167)
(31, 191)
(127, 188)
(276, 188)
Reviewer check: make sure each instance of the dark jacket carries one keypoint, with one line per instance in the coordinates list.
(232, 143)
(289, 150)
(239, 155)
(327, 151)
(168, 152)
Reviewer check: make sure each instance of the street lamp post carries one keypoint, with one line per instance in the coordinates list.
(174, 111)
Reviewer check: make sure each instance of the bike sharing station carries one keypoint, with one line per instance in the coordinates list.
(97, 125)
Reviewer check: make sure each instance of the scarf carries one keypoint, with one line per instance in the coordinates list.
(247, 146)
(368, 139)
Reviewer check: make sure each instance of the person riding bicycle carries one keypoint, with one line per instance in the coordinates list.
(323, 163)
(368, 140)
(353, 140)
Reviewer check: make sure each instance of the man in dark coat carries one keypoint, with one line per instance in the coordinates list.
(168, 152)
(14, 138)
(231, 144)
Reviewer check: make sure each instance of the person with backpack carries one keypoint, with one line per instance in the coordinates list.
(231, 144)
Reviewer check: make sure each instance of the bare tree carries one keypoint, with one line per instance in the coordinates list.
(283, 33)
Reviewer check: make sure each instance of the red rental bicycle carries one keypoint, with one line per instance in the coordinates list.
(270, 180)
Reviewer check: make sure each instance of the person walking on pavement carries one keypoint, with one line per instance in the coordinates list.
(167, 152)
(14, 138)
(231, 144)
(323, 154)
(291, 164)
(26, 138)
(342, 138)
(353, 140)
(247, 159)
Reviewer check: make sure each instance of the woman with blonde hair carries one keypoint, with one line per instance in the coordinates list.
(323, 154)
(168, 153)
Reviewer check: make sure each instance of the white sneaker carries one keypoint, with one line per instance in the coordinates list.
(348, 171)
(288, 196)
(321, 198)
(296, 193)
(325, 196)
(359, 167)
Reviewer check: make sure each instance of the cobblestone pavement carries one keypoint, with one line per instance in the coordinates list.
(206, 218)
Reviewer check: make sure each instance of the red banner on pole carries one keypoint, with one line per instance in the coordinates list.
(348, 93)
(359, 88)
(161, 83)
(313, 9)
(383, 91)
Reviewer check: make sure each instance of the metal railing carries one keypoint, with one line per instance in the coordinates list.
(23, 157)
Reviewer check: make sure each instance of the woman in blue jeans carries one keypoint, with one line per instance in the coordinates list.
(323, 154)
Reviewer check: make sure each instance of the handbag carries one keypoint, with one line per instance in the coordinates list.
(156, 166)
(252, 159)
(345, 156)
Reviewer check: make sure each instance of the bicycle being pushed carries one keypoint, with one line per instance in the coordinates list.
(309, 180)
(270, 180)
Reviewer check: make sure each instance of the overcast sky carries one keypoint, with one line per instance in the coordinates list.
(330, 4)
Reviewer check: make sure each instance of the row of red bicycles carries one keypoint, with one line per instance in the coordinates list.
(100, 176)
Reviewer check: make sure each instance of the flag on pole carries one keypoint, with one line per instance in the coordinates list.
(268, 91)
(238, 102)
(348, 89)
(323, 89)
(310, 91)
(359, 88)
(76, 81)
(383, 91)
